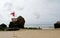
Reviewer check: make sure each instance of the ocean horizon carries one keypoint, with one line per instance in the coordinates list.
(43, 26)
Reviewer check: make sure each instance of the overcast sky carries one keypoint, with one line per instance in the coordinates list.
(34, 11)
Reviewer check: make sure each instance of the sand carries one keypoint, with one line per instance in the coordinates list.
(26, 33)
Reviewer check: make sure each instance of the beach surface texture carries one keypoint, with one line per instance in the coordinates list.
(31, 33)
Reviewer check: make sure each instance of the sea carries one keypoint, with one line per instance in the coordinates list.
(42, 26)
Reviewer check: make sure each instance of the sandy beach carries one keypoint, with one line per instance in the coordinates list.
(28, 33)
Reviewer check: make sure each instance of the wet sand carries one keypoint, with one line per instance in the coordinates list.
(28, 33)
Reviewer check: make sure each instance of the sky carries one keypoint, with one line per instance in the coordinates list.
(34, 11)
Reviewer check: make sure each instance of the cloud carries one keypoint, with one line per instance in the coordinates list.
(19, 8)
(34, 11)
(8, 6)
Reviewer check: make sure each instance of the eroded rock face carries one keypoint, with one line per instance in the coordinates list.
(3, 27)
(19, 23)
(57, 24)
(13, 25)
